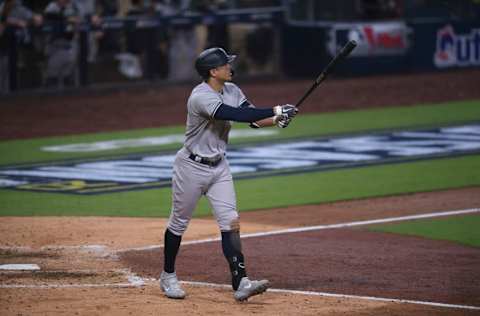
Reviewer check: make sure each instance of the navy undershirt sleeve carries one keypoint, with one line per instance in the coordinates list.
(245, 114)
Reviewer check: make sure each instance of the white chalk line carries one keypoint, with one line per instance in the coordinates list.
(346, 296)
(135, 281)
(132, 281)
(319, 227)
(65, 286)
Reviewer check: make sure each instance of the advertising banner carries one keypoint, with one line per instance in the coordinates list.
(445, 45)
(373, 39)
(456, 49)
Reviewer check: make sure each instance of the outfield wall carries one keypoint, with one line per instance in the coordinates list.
(268, 42)
(383, 47)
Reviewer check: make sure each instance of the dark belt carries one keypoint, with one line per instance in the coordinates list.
(205, 161)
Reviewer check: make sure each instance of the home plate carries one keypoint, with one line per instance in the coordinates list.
(32, 267)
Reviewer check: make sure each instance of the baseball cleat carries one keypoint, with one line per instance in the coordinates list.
(248, 288)
(170, 285)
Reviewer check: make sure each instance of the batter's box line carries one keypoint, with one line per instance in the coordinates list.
(65, 286)
(132, 281)
(320, 227)
(344, 296)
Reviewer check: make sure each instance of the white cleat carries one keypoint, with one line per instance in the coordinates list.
(170, 285)
(249, 288)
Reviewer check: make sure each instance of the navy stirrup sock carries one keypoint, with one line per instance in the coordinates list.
(232, 249)
(172, 244)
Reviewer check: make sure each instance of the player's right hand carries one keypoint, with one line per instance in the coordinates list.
(282, 121)
(287, 109)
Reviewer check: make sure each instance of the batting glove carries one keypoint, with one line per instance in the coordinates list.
(288, 109)
(282, 121)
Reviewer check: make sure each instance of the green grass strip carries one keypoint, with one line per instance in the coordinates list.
(461, 229)
(279, 191)
(304, 125)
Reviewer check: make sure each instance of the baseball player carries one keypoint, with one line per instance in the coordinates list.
(200, 167)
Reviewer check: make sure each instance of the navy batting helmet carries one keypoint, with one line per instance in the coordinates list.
(212, 58)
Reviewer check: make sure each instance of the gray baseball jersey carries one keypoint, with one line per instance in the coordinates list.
(205, 138)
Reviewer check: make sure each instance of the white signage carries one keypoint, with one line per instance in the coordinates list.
(142, 171)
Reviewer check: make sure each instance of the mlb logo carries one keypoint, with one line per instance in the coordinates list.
(373, 39)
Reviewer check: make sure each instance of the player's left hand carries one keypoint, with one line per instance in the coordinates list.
(287, 109)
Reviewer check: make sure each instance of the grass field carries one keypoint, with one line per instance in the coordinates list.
(277, 191)
(461, 229)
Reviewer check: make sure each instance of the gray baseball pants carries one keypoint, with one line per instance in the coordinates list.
(190, 181)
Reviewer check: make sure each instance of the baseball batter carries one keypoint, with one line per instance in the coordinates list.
(200, 167)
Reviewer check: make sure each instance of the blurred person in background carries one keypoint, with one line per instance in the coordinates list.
(132, 61)
(14, 21)
(164, 7)
(380, 9)
(217, 32)
(62, 47)
(108, 7)
(183, 45)
(158, 9)
(136, 37)
(110, 42)
(88, 13)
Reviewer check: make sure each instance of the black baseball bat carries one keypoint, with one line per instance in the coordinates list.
(344, 52)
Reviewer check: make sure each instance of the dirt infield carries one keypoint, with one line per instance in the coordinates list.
(201, 301)
(342, 261)
(80, 255)
(345, 261)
